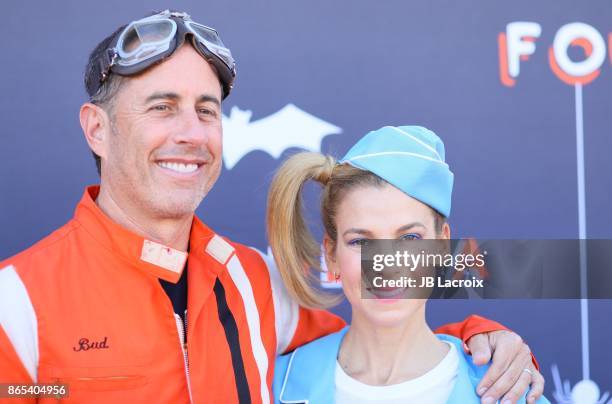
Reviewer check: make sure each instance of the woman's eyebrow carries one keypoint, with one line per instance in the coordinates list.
(356, 230)
(410, 226)
(367, 232)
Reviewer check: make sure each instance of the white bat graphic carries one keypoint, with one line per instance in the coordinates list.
(289, 127)
(583, 392)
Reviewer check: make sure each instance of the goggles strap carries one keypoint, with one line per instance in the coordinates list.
(105, 63)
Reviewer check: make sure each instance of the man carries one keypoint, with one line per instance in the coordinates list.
(135, 299)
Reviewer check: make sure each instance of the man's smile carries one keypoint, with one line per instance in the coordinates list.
(183, 168)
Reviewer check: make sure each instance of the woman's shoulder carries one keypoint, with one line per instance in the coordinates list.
(314, 361)
(469, 374)
(463, 355)
(314, 352)
(309, 371)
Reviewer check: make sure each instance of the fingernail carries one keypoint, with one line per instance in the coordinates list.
(488, 400)
(481, 391)
(507, 402)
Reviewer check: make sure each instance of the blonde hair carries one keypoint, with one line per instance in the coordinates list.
(296, 252)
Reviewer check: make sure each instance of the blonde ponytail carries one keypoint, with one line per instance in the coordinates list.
(295, 250)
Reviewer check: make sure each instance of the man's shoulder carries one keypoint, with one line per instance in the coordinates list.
(243, 250)
(250, 256)
(255, 262)
(43, 251)
(216, 242)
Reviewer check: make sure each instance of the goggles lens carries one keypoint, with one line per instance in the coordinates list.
(143, 40)
(206, 34)
(211, 40)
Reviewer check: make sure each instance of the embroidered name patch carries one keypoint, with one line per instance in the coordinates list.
(85, 344)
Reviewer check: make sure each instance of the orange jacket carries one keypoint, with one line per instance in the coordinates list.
(84, 307)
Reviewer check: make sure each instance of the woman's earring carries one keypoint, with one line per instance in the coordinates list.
(336, 277)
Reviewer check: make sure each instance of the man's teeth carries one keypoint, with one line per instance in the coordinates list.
(178, 167)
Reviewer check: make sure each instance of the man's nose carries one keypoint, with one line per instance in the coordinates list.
(190, 129)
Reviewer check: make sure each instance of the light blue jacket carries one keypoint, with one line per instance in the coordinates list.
(307, 375)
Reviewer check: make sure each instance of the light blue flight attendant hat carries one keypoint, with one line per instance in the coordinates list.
(411, 158)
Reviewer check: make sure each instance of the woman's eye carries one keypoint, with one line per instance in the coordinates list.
(360, 242)
(411, 236)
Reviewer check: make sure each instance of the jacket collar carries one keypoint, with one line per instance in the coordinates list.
(310, 376)
(146, 255)
(468, 375)
(311, 372)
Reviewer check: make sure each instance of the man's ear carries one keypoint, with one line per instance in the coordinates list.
(95, 123)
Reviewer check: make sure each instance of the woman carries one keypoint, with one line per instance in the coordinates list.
(392, 184)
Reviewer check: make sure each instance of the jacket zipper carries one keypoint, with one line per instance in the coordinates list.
(181, 332)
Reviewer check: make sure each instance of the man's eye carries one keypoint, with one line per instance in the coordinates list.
(360, 242)
(208, 112)
(410, 236)
(161, 107)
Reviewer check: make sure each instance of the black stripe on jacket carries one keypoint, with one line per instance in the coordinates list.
(231, 334)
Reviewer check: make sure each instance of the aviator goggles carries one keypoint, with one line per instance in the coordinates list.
(151, 39)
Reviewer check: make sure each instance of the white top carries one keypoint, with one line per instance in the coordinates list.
(434, 387)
